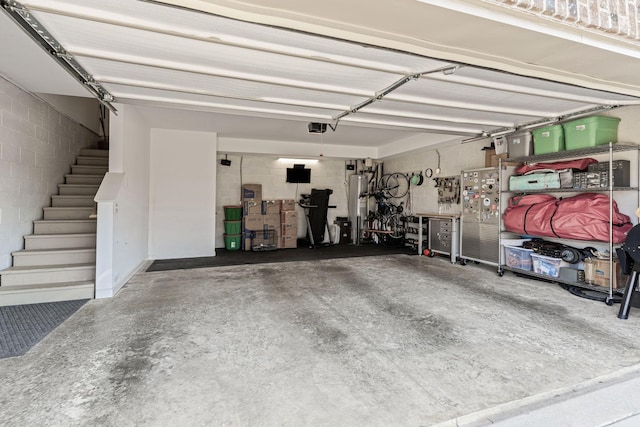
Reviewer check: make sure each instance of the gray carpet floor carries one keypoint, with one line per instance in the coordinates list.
(225, 258)
(23, 326)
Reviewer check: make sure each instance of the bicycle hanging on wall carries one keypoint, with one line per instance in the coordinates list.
(386, 223)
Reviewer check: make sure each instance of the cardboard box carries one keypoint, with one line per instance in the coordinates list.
(253, 223)
(251, 207)
(272, 222)
(288, 242)
(488, 154)
(287, 205)
(495, 159)
(596, 272)
(289, 229)
(270, 207)
(251, 192)
(289, 217)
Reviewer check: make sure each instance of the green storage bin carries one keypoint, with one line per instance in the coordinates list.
(233, 227)
(233, 213)
(549, 139)
(590, 131)
(232, 241)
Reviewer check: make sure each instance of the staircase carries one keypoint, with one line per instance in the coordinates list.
(58, 262)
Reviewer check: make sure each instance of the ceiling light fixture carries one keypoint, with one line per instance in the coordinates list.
(298, 161)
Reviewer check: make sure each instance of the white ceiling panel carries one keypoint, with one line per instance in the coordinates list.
(149, 53)
(160, 18)
(449, 92)
(486, 119)
(145, 76)
(434, 126)
(206, 102)
(85, 39)
(522, 84)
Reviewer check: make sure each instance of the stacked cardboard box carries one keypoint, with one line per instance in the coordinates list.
(261, 220)
(271, 219)
(252, 221)
(288, 224)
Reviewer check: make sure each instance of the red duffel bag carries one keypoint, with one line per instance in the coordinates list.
(582, 217)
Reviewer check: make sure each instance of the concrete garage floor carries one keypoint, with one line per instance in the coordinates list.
(393, 340)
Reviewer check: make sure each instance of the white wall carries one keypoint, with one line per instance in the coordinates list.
(452, 160)
(271, 173)
(629, 128)
(182, 194)
(37, 146)
(294, 149)
(123, 211)
(85, 111)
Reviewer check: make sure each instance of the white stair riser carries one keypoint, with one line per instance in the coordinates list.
(77, 190)
(62, 241)
(32, 277)
(18, 296)
(92, 161)
(93, 152)
(63, 227)
(83, 179)
(88, 170)
(67, 213)
(57, 257)
(71, 201)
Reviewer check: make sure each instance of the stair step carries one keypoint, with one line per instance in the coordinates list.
(72, 201)
(58, 256)
(78, 189)
(88, 170)
(60, 241)
(68, 212)
(46, 292)
(83, 179)
(64, 226)
(92, 161)
(94, 152)
(21, 276)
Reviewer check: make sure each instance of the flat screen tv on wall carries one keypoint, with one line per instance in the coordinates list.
(298, 174)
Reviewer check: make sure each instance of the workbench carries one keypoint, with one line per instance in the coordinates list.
(443, 233)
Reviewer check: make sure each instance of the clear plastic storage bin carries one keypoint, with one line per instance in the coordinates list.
(545, 265)
(519, 258)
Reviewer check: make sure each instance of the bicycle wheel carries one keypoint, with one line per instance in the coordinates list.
(395, 225)
(395, 185)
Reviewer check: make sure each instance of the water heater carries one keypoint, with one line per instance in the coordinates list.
(358, 211)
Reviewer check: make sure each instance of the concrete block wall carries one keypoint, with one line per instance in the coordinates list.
(620, 17)
(271, 173)
(37, 146)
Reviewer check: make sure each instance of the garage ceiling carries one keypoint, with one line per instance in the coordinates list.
(154, 54)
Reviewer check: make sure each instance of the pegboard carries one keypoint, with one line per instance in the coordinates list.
(448, 189)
